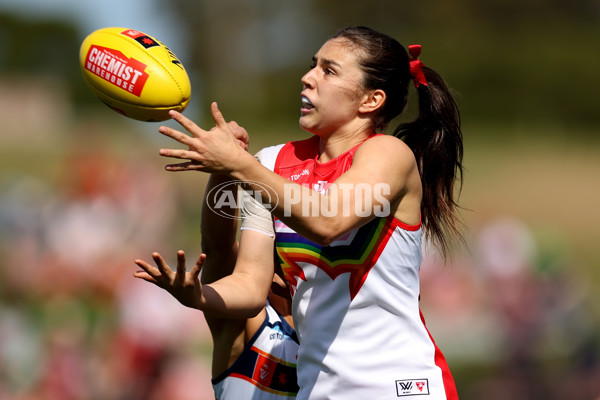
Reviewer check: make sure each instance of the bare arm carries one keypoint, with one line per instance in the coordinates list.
(383, 173)
(219, 231)
(241, 294)
(219, 240)
(244, 292)
(382, 181)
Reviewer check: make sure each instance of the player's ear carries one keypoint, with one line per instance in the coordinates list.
(372, 101)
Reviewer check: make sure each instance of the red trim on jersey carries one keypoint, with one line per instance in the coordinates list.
(440, 361)
(294, 154)
(388, 230)
(405, 226)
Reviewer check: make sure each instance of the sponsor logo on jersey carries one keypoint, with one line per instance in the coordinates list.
(412, 387)
(117, 69)
(264, 370)
(297, 176)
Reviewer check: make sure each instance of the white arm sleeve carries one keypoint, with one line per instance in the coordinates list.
(254, 214)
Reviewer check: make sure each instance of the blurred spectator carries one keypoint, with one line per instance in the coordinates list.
(79, 325)
(512, 308)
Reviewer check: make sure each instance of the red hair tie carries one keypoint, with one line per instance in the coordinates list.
(416, 66)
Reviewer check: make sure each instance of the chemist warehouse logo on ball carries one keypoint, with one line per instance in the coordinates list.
(116, 68)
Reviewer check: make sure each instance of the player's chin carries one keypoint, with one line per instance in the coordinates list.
(306, 123)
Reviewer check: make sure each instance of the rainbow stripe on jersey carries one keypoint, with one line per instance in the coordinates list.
(355, 253)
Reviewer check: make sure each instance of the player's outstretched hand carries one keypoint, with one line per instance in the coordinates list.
(220, 150)
(184, 286)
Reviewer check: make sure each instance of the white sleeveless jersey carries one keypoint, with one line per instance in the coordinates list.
(356, 302)
(266, 370)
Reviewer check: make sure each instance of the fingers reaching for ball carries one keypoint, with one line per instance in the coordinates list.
(215, 151)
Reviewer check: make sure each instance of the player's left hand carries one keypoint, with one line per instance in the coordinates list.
(184, 286)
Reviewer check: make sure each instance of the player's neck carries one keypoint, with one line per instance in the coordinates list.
(333, 146)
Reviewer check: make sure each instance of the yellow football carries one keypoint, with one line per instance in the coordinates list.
(134, 74)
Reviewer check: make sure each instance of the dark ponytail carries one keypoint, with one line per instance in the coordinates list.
(436, 140)
(434, 137)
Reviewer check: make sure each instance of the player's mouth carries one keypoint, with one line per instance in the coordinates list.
(307, 106)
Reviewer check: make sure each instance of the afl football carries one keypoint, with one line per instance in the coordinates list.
(134, 74)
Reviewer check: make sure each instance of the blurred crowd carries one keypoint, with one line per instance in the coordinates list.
(74, 323)
(512, 320)
(513, 313)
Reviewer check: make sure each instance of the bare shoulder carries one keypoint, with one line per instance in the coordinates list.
(386, 149)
